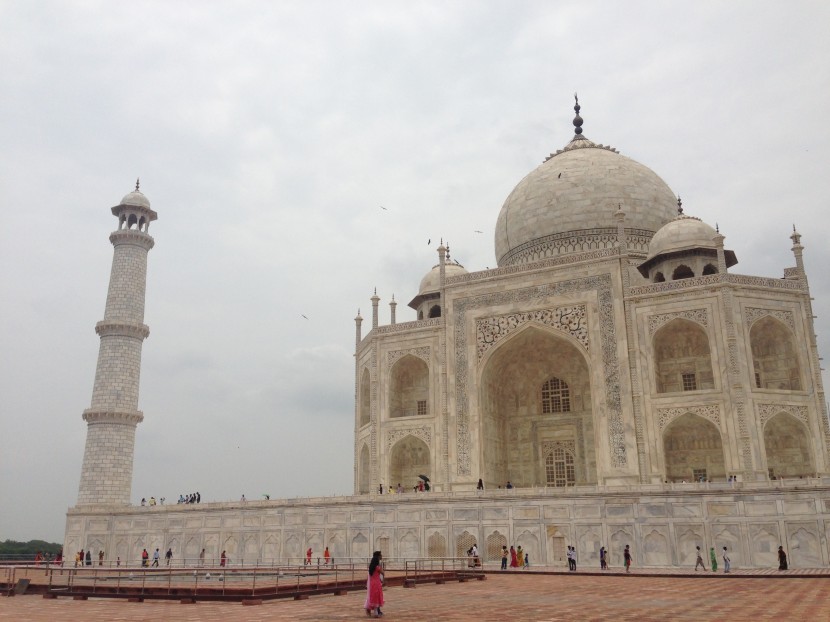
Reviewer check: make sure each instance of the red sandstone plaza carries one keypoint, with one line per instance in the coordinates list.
(526, 596)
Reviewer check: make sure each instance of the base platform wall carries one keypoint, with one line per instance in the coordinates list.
(662, 524)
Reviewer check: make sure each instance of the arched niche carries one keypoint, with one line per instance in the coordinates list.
(788, 448)
(693, 449)
(682, 272)
(363, 478)
(659, 278)
(435, 311)
(682, 359)
(709, 269)
(409, 387)
(365, 398)
(515, 429)
(774, 355)
(409, 458)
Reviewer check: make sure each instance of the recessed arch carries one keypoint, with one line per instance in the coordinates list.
(408, 458)
(364, 482)
(788, 448)
(693, 450)
(682, 272)
(774, 355)
(409, 387)
(659, 278)
(435, 311)
(131, 221)
(515, 425)
(682, 359)
(364, 409)
(709, 269)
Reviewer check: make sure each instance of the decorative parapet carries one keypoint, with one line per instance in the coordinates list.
(792, 273)
(769, 410)
(109, 328)
(405, 326)
(570, 320)
(753, 314)
(124, 417)
(700, 316)
(714, 279)
(666, 415)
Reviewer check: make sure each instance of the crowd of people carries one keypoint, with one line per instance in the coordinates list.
(193, 497)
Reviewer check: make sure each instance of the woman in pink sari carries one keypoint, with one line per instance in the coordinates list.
(374, 586)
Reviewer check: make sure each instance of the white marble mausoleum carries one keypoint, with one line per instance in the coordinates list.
(614, 368)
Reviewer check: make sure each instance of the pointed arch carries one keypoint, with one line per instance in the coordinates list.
(409, 387)
(364, 480)
(365, 398)
(682, 272)
(408, 458)
(774, 355)
(682, 358)
(435, 311)
(693, 450)
(788, 447)
(709, 269)
(436, 545)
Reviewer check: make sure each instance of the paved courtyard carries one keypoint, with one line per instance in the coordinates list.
(526, 597)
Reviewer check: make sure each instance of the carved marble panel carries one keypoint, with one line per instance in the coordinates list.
(572, 321)
(395, 355)
(422, 432)
(701, 316)
(753, 314)
(666, 415)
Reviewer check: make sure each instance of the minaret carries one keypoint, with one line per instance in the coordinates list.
(107, 472)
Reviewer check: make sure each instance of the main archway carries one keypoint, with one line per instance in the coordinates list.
(787, 445)
(535, 397)
(408, 459)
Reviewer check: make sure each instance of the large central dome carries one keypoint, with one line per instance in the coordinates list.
(567, 204)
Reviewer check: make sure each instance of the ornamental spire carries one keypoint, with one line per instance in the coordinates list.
(577, 118)
(136, 184)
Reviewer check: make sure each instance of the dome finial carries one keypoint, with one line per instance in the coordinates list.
(679, 205)
(136, 183)
(577, 118)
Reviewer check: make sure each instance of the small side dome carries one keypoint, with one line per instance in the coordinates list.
(137, 199)
(685, 239)
(682, 233)
(431, 283)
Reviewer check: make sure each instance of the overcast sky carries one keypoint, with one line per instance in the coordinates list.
(267, 136)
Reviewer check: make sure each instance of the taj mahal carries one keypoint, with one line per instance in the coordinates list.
(613, 381)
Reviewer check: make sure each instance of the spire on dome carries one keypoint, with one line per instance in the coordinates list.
(679, 206)
(577, 118)
(136, 184)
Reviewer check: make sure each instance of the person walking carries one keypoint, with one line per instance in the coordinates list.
(514, 563)
(504, 556)
(223, 559)
(782, 559)
(527, 561)
(168, 556)
(156, 558)
(145, 558)
(727, 566)
(327, 556)
(202, 558)
(88, 557)
(603, 564)
(699, 561)
(713, 559)
(374, 586)
(627, 558)
(308, 557)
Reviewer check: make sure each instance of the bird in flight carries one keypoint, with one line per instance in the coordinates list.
(303, 316)
(477, 231)
(429, 241)
(381, 207)
(560, 175)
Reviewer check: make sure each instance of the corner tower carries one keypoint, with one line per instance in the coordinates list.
(106, 475)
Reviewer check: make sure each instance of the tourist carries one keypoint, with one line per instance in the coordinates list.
(572, 558)
(77, 558)
(156, 558)
(380, 489)
(326, 556)
(168, 556)
(527, 561)
(699, 561)
(143, 501)
(603, 563)
(38, 558)
(509, 486)
(223, 559)
(520, 556)
(59, 558)
(118, 561)
(513, 561)
(480, 485)
(374, 586)
(400, 489)
(100, 558)
(152, 500)
(476, 560)
(243, 499)
(88, 558)
(198, 498)
(713, 559)
(308, 557)
(504, 555)
(145, 558)
(627, 558)
(727, 566)
(782, 558)
(202, 558)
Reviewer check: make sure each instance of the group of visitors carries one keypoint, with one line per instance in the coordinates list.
(193, 497)
(420, 486)
(517, 557)
(46, 558)
(713, 560)
(152, 501)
